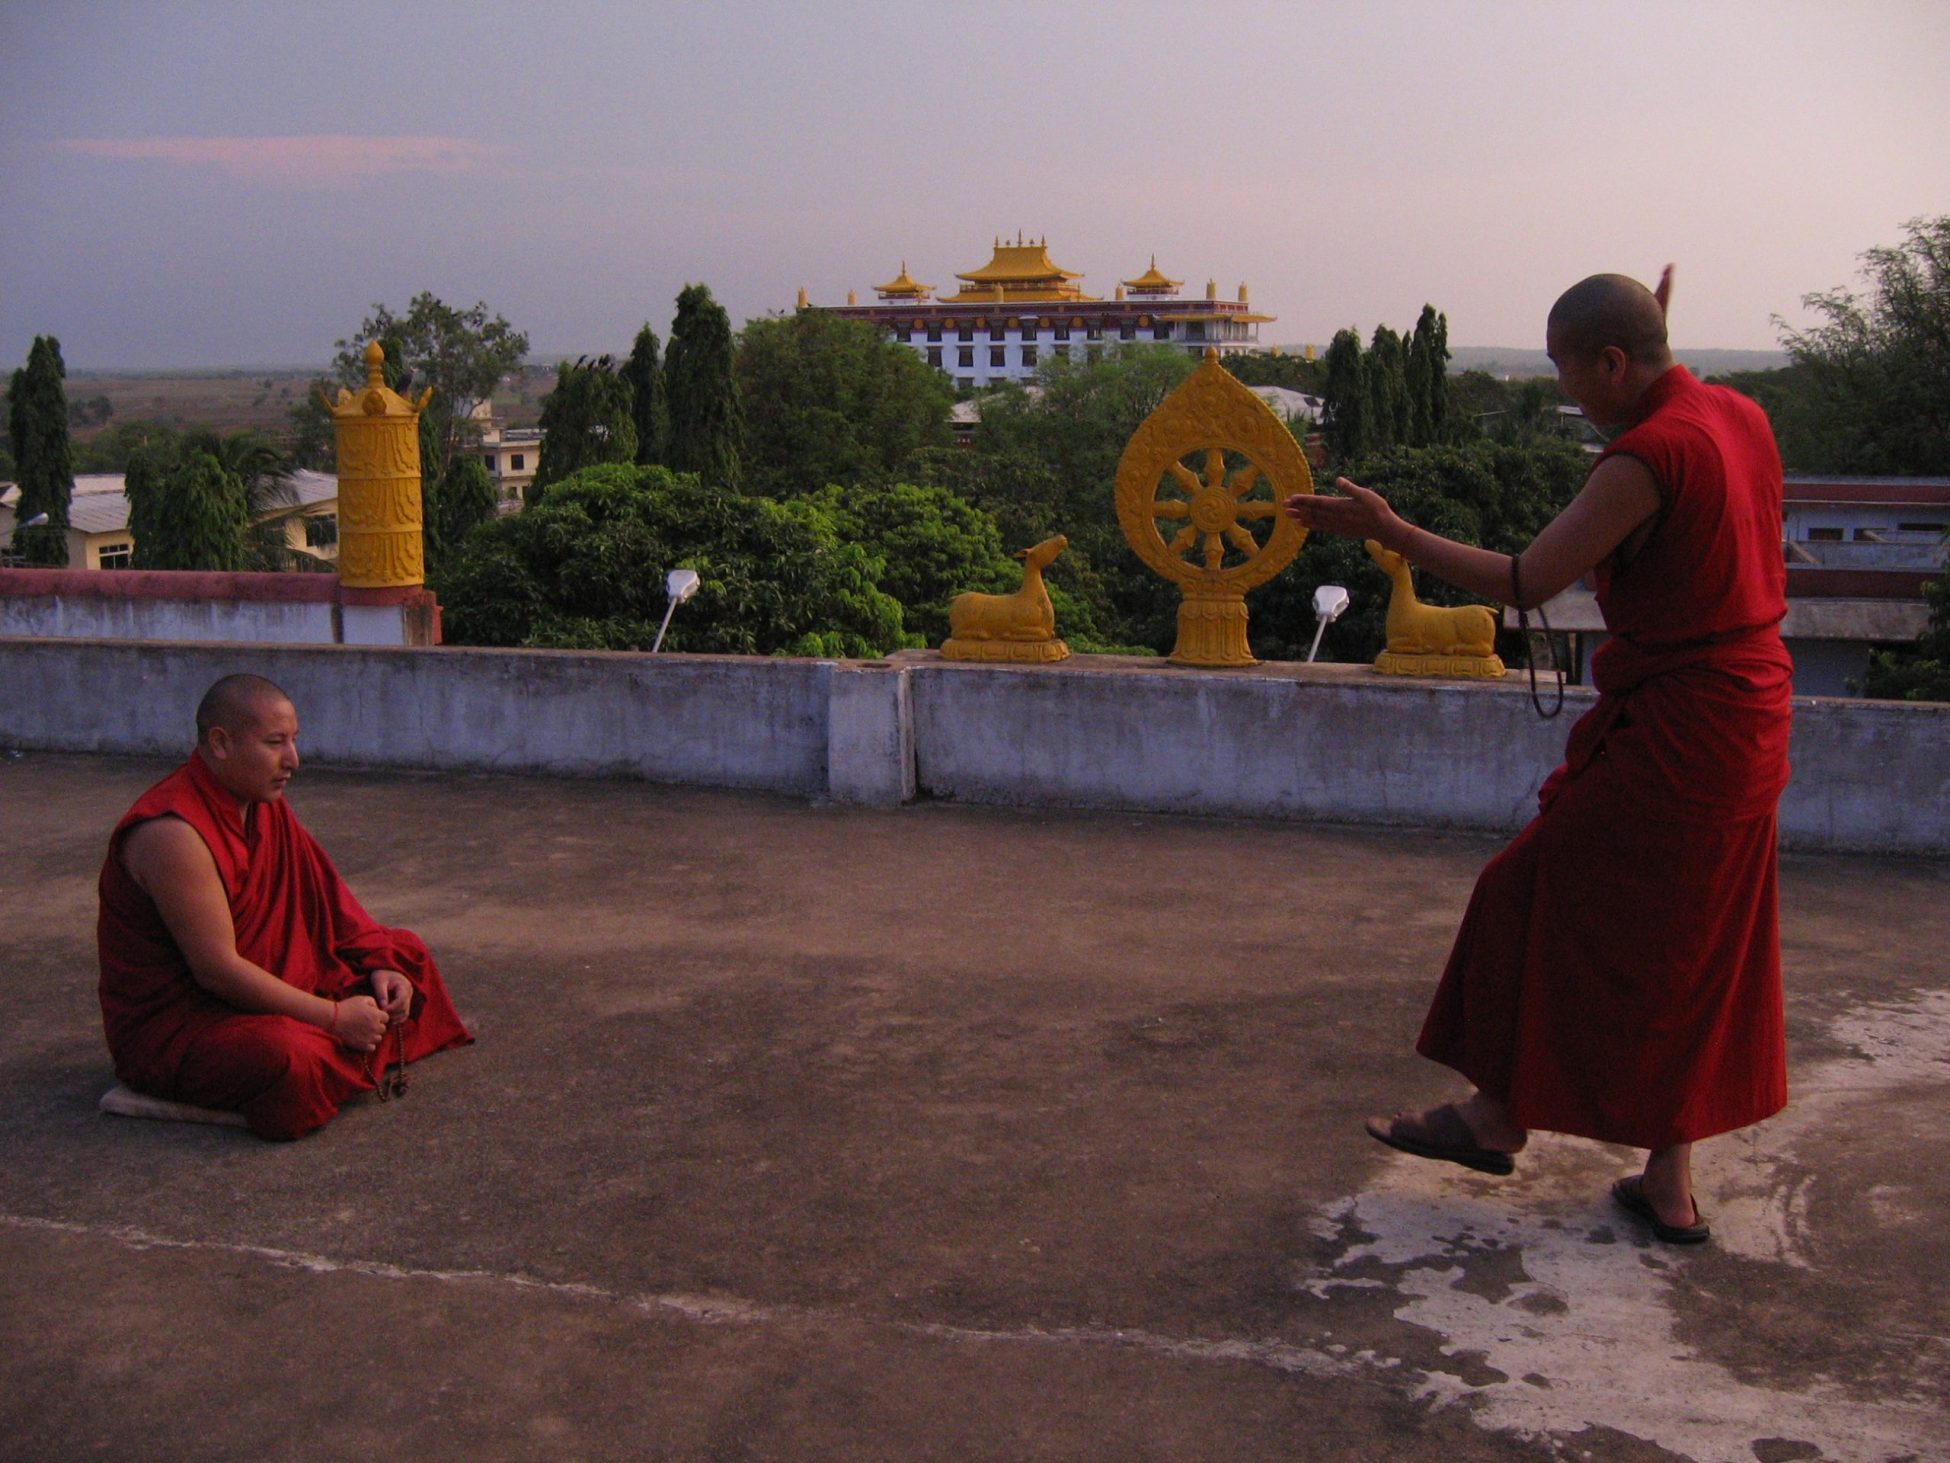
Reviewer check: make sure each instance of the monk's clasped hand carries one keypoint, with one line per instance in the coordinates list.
(394, 992)
(360, 1023)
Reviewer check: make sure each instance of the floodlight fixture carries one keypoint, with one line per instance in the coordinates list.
(679, 585)
(1330, 603)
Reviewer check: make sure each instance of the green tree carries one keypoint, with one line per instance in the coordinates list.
(111, 450)
(1921, 672)
(1348, 423)
(461, 354)
(648, 404)
(583, 567)
(466, 496)
(1386, 370)
(828, 400)
(1428, 380)
(932, 545)
(37, 431)
(587, 419)
(263, 472)
(706, 420)
(1072, 436)
(1880, 366)
(186, 514)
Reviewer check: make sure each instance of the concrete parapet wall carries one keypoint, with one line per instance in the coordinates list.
(1311, 743)
(168, 604)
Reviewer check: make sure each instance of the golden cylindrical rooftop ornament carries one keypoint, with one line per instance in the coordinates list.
(380, 520)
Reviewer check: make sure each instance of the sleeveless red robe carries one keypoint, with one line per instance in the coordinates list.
(1618, 973)
(296, 918)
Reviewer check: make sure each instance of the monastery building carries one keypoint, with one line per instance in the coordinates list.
(1020, 308)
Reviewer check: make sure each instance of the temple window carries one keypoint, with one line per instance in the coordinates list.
(934, 333)
(516, 462)
(965, 356)
(488, 458)
(997, 357)
(1161, 331)
(995, 331)
(934, 355)
(1095, 332)
(1029, 355)
(115, 556)
(1062, 332)
(967, 332)
(1127, 331)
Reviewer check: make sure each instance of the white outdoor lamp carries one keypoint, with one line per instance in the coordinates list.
(1330, 603)
(679, 585)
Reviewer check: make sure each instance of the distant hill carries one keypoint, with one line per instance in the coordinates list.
(1510, 361)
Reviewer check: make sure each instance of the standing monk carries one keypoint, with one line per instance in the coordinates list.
(238, 971)
(1618, 973)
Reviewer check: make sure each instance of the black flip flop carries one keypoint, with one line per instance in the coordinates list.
(1444, 1137)
(1629, 1195)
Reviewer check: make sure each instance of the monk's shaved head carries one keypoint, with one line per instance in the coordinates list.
(1607, 310)
(234, 702)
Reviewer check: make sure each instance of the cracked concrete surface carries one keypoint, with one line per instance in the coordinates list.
(950, 1133)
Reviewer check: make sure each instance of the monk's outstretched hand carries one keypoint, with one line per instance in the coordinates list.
(1362, 513)
(359, 1023)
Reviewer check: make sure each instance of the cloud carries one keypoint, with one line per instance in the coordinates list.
(319, 161)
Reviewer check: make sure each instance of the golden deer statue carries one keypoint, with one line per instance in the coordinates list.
(1432, 640)
(1019, 626)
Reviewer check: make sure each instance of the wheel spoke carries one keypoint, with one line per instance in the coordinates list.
(1187, 479)
(1259, 509)
(1247, 480)
(1172, 508)
(1242, 540)
(1184, 539)
(1215, 551)
(1215, 467)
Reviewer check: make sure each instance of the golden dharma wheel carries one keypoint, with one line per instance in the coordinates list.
(1199, 489)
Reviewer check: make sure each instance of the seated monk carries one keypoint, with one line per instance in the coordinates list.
(238, 971)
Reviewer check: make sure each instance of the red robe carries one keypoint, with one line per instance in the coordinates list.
(1618, 973)
(294, 917)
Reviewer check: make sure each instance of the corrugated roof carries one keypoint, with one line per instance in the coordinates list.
(101, 502)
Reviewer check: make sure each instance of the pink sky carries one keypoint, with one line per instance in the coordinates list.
(237, 183)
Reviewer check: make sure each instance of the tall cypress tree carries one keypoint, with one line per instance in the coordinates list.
(706, 426)
(1347, 418)
(37, 426)
(1387, 369)
(644, 371)
(192, 516)
(1428, 377)
(585, 420)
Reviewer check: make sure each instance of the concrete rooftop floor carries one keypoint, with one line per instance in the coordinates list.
(799, 1132)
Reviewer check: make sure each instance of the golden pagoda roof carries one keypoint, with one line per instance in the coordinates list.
(903, 286)
(1021, 271)
(1151, 279)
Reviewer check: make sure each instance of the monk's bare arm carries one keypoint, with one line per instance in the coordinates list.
(1619, 497)
(170, 863)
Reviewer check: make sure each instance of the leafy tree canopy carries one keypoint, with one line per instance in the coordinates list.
(461, 354)
(589, 418)
(931, 543)
(832, 400)
(1879, 365)
(186, 511)
(649, 406)
(37, 432)
(707, 431)
(583, 567)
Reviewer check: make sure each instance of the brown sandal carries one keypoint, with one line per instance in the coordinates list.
(1441, 1134)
